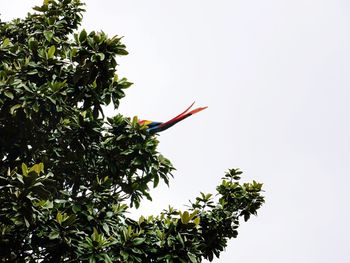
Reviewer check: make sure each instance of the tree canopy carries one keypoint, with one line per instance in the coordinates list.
(68, 174)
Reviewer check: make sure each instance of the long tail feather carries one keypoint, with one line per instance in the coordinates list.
(178, 118)
(197, 110)
(147, 122)
(154, 127)
(181, 114)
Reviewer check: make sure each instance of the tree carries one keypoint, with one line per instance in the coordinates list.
(68, 174)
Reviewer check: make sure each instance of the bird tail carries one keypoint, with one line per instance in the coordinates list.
(185, 114)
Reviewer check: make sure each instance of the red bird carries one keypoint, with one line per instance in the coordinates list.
(154, 127)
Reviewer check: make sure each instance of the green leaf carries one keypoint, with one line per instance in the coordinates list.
(192, 257)
(54, 235)
(135, 121)
(6, 42)
(124, 83)
(14, 108)
(38, 168)
(24, 169)
(124, 254)
(9, 94)
(33, 44)
(101, 55)
(48, 204)
(76, 208)
(69, 220)
(51, 52)
(197, 221)
(138, 241)
(193, 214)
(42, 8)
(105, 228)
(82, 36)
(48, 35)
(155, 180)
(95, 235)
(60, 218)
(179, 237)
(185, 217)
(122, 52)
(107, 259)
(26, 222)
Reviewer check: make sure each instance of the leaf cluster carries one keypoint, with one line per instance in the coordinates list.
(68, 174)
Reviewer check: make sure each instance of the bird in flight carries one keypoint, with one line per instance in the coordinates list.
(154, 126)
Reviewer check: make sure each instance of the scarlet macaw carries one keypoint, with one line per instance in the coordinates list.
(154, 127)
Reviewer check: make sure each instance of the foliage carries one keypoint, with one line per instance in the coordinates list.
(67, 173)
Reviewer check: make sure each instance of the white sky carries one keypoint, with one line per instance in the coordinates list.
(275, 75)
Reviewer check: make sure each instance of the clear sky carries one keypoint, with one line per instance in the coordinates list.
(275, 75)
